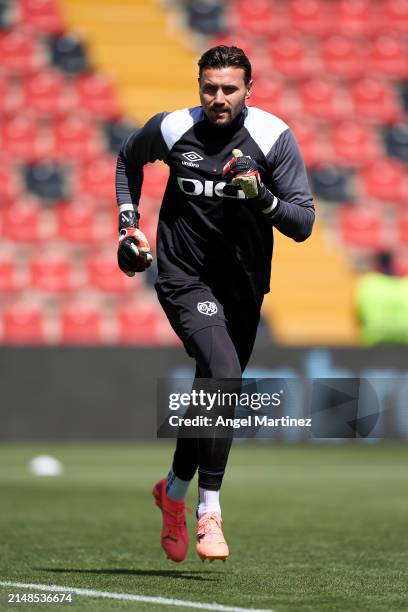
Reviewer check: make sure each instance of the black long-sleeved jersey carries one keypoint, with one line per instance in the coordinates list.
(207, 229)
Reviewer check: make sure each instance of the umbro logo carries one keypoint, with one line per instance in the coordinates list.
(192, 156)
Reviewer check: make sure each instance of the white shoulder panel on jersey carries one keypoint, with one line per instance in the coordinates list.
(264, 128)
(175, 124)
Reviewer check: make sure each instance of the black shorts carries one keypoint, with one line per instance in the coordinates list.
(190, 305)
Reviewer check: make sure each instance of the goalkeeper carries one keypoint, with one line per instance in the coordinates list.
(235, 174)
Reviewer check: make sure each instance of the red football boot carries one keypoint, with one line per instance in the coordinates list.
(174, 536)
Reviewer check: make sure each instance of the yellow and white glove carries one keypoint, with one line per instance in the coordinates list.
(243, 171)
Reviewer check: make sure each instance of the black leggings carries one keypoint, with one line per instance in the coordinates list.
(219, 352)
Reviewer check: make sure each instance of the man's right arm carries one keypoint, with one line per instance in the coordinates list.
(140, 147)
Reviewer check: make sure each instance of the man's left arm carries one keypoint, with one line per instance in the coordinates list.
(294, 213)
(288, 205)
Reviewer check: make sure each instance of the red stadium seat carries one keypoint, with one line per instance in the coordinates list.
(97, 178)
(310, 17)
(354, 144)
(52, 272)
(96, 94)
(256, 17)
(10, 184)
(20, 52)
(104, 274)
(396, 15)
(311, 142)
(81, 323)
(42, 15)
(375, 100)
(385, 180)
(323, 99)
(143, 323)
(357, 17)
(12, 278)
(76, 138)
(20, 137)
(155, 179)
(268, 94)
(26, 221)
(361, 228)
(80, 222)
(389, 57)
(44, 92)
(8, 95)
(23, 323)
(402, 225)
(343, 57)
(288, 56)
(400, 261)
(246, 43)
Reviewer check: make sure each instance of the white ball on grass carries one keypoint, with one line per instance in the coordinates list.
(45, 465)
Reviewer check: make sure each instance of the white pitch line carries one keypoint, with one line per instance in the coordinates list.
(161, 601)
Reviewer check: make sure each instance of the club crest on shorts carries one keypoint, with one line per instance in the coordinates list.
(207, 308)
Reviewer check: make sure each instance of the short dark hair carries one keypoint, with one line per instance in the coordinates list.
(223, 57)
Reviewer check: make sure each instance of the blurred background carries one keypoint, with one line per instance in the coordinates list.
(76, 76)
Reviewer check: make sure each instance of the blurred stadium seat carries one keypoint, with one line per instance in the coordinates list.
(331, 183)
(68, 54)
(44, 92)
(205, 16)
(402, 223)
(354, 143)
(96, 94)
(12, 277)
(343, 57)
(46, 180)
(375, 99)
(388, 57)
(96, 178)
(311, 17)
(361, 228)
(116, 131)
(289, 56)
(256, 17)
(385, 180)
(312, 142)
(142, 322)
(357, 17)
(103, 273)
(10, 183)
(323, 99)
(23, 322)
(81, 322)
(396, 141)
(25, 221)
(21, 137)
(82, 222)
(52, 272)
(20, 52)
(396, 15)
(76, 137)
(41, 15)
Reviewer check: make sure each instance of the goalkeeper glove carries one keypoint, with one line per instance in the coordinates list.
(243, 172)
(133, 251)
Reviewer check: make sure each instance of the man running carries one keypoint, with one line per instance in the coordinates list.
(235, 174)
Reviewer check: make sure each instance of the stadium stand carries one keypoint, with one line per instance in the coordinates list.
(336, 70)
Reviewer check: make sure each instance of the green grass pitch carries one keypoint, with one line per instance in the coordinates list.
(310, 528)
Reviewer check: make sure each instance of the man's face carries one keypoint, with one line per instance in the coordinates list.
(223, 93)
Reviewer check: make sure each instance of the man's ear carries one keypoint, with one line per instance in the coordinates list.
(249, 90)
